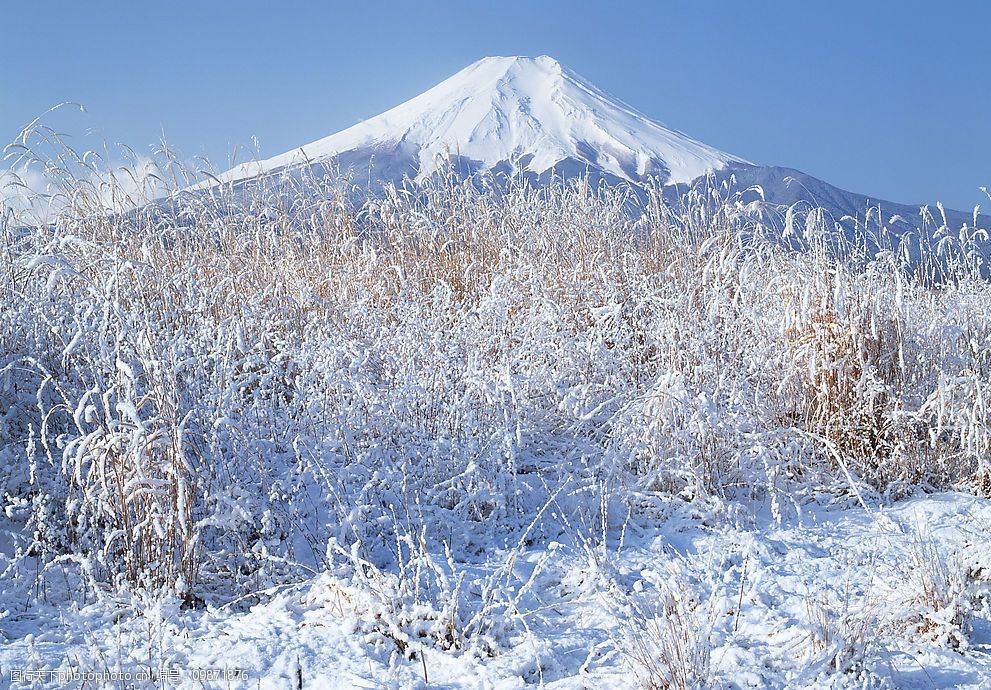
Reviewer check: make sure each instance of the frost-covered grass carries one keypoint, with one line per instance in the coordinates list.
(424, 400)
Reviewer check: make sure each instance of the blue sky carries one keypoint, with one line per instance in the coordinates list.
(889, 99)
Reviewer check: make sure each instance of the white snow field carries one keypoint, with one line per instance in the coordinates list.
(463, 434)
(693, 597)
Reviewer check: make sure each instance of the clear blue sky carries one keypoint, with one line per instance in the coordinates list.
(892, 99)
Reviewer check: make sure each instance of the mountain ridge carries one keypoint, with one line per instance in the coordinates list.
(535, 116)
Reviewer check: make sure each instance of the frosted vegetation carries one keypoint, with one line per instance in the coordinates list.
(233, 390)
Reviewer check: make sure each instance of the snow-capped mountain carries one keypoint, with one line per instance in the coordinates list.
(507, 114)
(503, 112)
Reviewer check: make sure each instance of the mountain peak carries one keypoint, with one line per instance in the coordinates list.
(504, 112)
(522, 60)
(514, 63)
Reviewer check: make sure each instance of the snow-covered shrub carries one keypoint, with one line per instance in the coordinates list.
(959, 421)
(424, 601)
(667, 631)
(938, 606)
(844, 632)
(845, 351)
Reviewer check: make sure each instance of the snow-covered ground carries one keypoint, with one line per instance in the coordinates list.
(836, 596)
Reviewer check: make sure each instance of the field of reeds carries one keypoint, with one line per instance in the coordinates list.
(212, 392)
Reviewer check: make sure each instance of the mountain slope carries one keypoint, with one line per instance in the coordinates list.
(786, 187)
(502, 112)
(509, 114)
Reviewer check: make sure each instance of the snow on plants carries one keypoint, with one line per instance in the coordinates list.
(486, 434)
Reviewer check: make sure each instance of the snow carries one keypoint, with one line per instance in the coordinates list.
(504, 114)
(570, 632)
(501, 109)
(490, 438)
